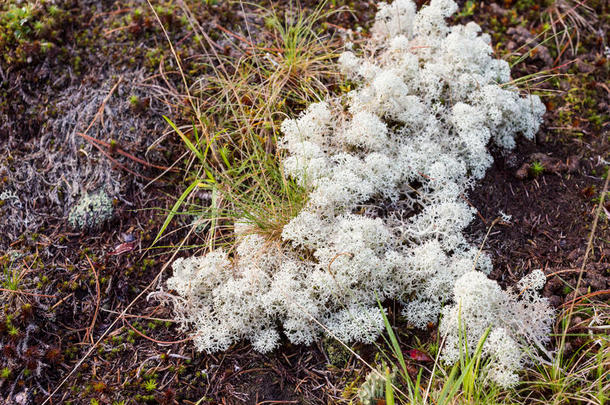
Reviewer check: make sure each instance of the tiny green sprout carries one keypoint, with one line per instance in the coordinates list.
(5, 373)
(38, 27)
(13, 331)
(536, 169)
(134, 100)
(94, 402)
(53, 10)
(150, 385)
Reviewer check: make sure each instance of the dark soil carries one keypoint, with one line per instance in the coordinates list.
(74, 283)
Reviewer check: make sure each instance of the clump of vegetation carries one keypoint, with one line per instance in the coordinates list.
(237, 115)
(91, 211)
(337, 354)
(412, 137)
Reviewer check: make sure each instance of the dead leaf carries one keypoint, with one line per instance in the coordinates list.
(418, 355)
(123, 248)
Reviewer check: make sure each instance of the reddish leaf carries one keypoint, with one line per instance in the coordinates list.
(419, 355)
(123, 248)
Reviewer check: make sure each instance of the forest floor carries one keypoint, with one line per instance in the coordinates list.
(84, 86)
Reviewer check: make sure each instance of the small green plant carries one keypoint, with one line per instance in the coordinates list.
(11, 277)
(468, 9)
(25, 30)
(12, 330)
(377, 386)
(134, 100)
(150, 385)
(536, 169)
(5, 373)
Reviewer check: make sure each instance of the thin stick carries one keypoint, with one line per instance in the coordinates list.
(98, 299)
(476, 259)
(126, 154)
(161, 342)
(28, 293)
(100, 111)
(116, 162)
(582, 267)
(150, 318)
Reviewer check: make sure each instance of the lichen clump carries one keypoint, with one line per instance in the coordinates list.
(91, 211)
(372, 390)
(387, 167)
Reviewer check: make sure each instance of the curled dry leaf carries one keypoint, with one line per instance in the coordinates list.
(418, 355)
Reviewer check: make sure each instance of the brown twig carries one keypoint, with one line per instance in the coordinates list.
(148, 318)
(100, 111)
(115, 12)
(561, 272)
(161, 342)
(58, 303)
(117, 163)
(582, 267)
(583, 297)
(28, 293)
(126, 154)
(89, 333)
(239, 37)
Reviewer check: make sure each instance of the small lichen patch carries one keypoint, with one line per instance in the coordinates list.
(91, 211)
(373, 389)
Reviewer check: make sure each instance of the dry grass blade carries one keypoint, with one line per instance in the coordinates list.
(584, 260)
(570, 15)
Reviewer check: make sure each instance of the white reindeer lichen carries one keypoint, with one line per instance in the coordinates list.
(385, 215)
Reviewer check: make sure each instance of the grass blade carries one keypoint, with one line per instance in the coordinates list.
(175, 208)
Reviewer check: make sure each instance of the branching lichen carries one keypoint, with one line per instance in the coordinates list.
(385, 215)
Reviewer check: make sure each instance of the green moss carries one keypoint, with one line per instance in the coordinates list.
(29, 30)
(150, 385)
(536, 169)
